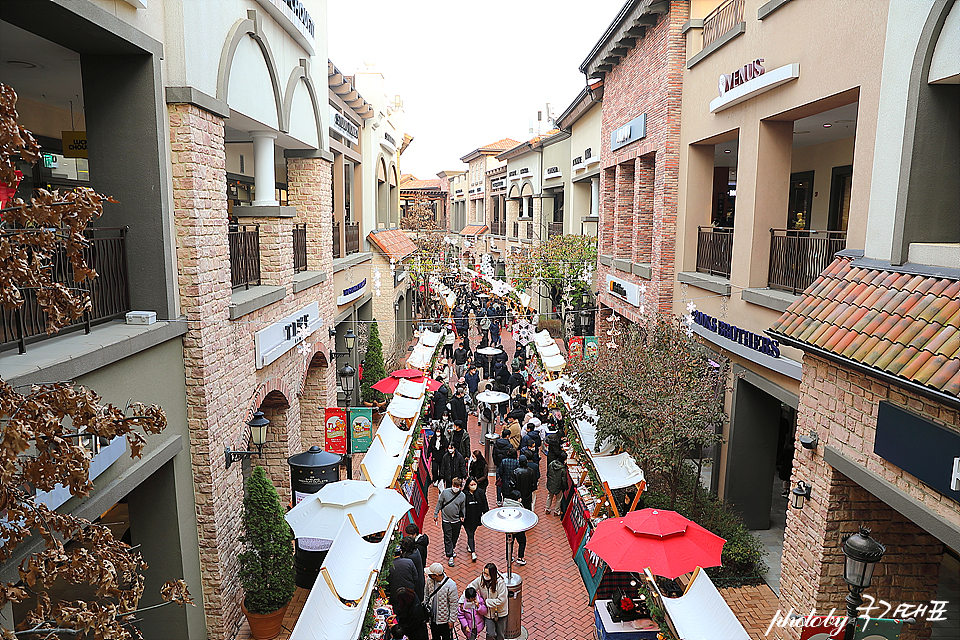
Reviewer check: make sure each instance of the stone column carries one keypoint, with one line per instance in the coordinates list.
(264, 169)
(623, 216)
(595, 196)
(213, 415)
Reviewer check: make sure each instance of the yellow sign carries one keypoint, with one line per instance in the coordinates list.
(74, 144)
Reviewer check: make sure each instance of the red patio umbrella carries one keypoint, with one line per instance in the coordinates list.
(663, 541)
(407, 373)
(389, 384)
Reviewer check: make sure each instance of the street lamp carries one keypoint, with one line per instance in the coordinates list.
(347, 375)
(258, 437)
(863, 553)
(800, 493)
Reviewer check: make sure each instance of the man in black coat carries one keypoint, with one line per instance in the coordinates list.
(403, 574)
(409, 549)
(501, 448)
(421, 539)
(458, 408)
(525, 481)
(440, 402)
(460, 439)
(452, 466)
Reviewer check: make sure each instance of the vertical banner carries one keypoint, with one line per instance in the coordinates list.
(361, 429)
(591, 567)
(575, 349)
(575, 521)
(591, 347)
(335, 431)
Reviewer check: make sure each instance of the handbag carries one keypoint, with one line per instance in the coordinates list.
(427, 611)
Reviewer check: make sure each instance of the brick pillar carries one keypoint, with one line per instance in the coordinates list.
(314, 400)
(607, 210)
(643, 217)
(276, 249)
(623, 217)
(513, 214)
(200, 214)
(283, 441)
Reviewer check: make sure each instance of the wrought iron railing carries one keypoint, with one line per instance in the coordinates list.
(714, 250)
(244, 243)
(722, 19)
(299, 247)
(499, 228)
(516, 230)
(797, 257)
(554, 229)
(109, 291)
(336, 239)
(352, 237)
(529, 231)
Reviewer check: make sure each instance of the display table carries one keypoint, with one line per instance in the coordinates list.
(607, 629)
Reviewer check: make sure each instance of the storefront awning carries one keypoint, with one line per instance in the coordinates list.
(701, 612)
(380, 466)
(474, 230)
(409, 389)
(618, 471)
(404, 408)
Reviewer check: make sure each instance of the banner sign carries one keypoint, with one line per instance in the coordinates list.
(591, 347)
(567, 496)
(335, 431)
(575, 521)
(592, 568)
(361, 429)
(575, 349)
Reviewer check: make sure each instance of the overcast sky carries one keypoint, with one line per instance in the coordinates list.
(469, 73)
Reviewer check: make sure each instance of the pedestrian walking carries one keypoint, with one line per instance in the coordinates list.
(471, 614)
(475, 505)
(472, 380)
(488, 416)
(556, 483)
(461, 356)
(506, 480)
(492, 586)
(460, 439)
(441, 602)
(451, 505)
(478, 471)
(410, 551)
(458, 409)
(453, 465)
(525, 482)
(422, 539)
(512, 499)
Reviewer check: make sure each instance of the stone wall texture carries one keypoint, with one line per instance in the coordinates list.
(224, 386)
(841, 406)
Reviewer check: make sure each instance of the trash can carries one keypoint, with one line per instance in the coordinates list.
(309, 471)
(514, 606)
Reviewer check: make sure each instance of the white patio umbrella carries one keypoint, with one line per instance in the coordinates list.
(314, 517)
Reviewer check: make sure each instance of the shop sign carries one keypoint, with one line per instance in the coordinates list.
(281, 336)
(498, 184)
(748, 339)
(578, 163)
(389, 143)
(343, 126)
(351, 293)
(920, 447)
(576, 520)
(745, 73)
(293, 16)
(101, 457)
(524, 171)
(626, 291)
(739, 88)
(630, 132)
(74, 144)
(588, 156)
(552, 172)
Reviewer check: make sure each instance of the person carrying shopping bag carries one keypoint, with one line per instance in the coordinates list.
(492, 586)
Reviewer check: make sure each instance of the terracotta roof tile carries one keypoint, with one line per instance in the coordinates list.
(903, 324)
(474, 230)
(392, 242)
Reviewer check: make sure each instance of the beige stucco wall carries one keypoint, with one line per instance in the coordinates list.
(821, 159)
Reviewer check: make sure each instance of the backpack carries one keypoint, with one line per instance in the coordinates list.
(487, 413)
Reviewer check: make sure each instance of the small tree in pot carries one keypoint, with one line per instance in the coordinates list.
(266, 567)
(373, 368)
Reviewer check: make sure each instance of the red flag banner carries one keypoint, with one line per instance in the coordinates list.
(335, 431)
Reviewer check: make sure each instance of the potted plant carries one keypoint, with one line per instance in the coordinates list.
(373, 371)
(266, 567)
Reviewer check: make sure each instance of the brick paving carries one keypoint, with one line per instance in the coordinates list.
(754, 607)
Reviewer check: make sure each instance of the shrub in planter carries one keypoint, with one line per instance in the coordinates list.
(373, 368)
(266, 567)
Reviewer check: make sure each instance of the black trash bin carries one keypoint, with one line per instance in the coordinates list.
(309, 471)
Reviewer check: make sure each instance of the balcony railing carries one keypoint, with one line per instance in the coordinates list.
(244, 255)
(722, 19)
(554, 229)
(299, 247)
(498, 228)
(529, 231)
(714, 250)
(798, 257)
(352, 237)
(336, 239)
(516, 230)
(109, 291)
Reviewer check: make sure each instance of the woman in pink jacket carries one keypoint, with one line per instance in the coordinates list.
(471, 613)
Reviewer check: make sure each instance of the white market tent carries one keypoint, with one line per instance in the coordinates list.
(410, 389)
(392, 437)
(314, 518)
(382, 467)
(404, 408)
(618, 471)
(349, 573)
(429, 338)
(701, 613)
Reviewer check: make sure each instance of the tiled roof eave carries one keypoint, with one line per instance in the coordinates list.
(874, 372)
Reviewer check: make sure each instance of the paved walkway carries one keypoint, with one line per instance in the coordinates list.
(755, 608)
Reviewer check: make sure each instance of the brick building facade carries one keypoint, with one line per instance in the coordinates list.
(640, 134)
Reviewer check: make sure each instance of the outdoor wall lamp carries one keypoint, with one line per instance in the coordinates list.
(350, 339)
(799, 495)
(809, 441)
(258, 437)
(332, 332)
